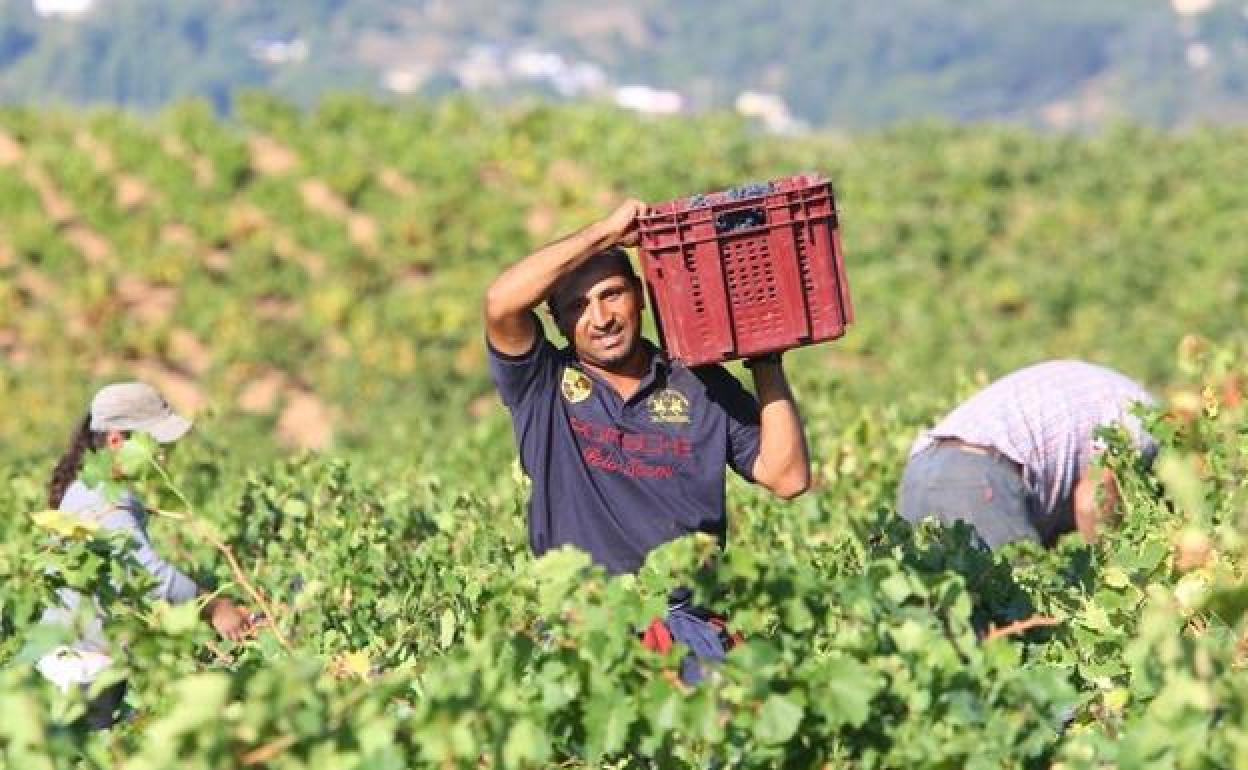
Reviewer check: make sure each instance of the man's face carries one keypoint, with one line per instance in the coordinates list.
(599, 311)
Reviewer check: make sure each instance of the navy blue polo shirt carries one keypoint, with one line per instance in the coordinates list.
(617, 478)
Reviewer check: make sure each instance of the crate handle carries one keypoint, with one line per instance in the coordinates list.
(741, 219)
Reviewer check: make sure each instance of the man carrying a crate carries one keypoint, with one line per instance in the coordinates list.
(627, 450)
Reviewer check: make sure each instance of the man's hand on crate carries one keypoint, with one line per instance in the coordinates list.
(620, 226)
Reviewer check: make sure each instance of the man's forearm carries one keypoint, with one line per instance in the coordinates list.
(511, 298)
(783, 463)
(524, 285)
(1094, 500)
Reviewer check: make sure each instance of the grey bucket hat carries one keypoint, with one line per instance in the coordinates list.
(137, 406)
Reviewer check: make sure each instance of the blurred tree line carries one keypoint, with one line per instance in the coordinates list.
(836, 62)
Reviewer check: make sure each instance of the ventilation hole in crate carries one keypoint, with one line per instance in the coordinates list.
(814, 308)
(695, 287)
(699, 299)
(752, 291)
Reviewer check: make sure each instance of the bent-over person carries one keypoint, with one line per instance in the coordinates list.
(1016, 461)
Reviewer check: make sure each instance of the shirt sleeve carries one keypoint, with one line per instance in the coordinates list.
(742, 413)
(519, 377)
(171, 585)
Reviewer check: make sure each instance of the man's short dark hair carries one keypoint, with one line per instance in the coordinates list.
(612, 261)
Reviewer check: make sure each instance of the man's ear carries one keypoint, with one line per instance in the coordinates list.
(114, 439)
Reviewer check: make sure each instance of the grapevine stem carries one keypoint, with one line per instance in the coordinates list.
(268, 751)
(1019, 626)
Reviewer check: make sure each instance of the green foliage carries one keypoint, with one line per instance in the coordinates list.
(422, 632)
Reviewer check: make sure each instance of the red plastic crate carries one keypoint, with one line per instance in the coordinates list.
(732, 276)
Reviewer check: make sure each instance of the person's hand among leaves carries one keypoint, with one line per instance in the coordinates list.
(228, 619)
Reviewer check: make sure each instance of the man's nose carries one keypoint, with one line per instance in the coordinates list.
(599, 315)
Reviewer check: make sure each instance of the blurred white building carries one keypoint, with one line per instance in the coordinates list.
(1192, 7)
(536, 65)
(279, 51)
(482, 67)
(405, 80)
(62, 7)
(1199, 55)
(567, 78)
(771, 110)
(580, 78)
(652, 101)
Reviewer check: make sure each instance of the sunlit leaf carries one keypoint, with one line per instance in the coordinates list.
(65, 524)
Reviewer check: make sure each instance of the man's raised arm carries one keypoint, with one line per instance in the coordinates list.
(1094, 500)
(514, 294)
(783, 464)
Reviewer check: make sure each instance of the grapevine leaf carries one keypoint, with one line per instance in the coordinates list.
(137, 453)
(895, 587)
(97, 469)
(607, 721)
(850, 687)
(527, 745)
(199, 699)
(778, 720)
(177, 619)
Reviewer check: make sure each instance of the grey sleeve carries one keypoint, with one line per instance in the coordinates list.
(172, 586)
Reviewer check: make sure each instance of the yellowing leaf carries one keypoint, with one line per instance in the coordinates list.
(1116, 699)
(1115, 577)
(65, 524)
(446, 635)
(1094, 617)
(351, 664)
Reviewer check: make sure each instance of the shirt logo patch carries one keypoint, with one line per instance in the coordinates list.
(576, 386)
(669, 406)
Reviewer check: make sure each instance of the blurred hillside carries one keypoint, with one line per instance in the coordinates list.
(804, 62)
(315, 278)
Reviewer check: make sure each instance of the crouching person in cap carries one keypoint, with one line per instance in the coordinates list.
(116, 412)
(1016, 461)
(625, 448)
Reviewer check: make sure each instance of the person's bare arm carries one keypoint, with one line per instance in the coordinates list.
(511, 298)
(783, 463)
(1095, 499)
